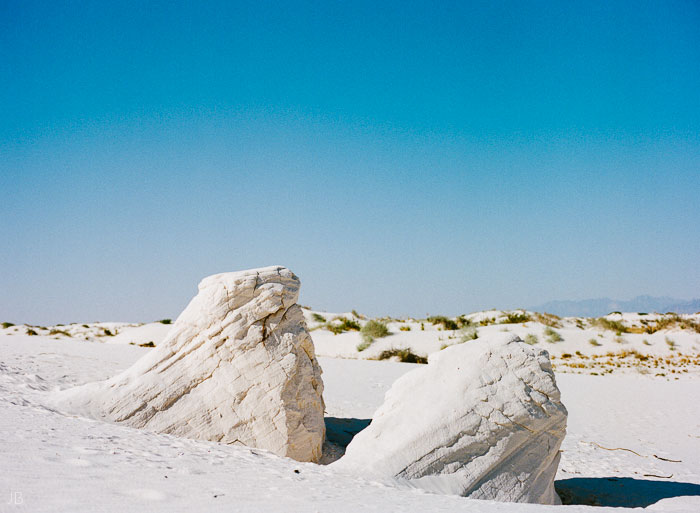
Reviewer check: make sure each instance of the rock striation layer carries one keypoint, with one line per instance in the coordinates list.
(238, 367)
(483, 419)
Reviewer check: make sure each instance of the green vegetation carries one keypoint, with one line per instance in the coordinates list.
(357, 315)
(531, 339)
(646, 342)
(447, 324)
(551, 320)
(166, 321)
(404, 355)
(552, 336)
(672, 320)
(671, 344)
(147, 344)
(468, 333)
(59, 332)
(107, 332)
(374, 329)
(364, 345)
(342, 324)
(318, 317)
(404, 328)
(516, 318)
(608, 324)
(7, 324)
(594, 342)
(85, 326)
(31, 332)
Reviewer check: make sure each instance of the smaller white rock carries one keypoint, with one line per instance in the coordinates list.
(483, 419)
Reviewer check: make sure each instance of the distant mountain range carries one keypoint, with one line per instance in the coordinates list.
(603, 306)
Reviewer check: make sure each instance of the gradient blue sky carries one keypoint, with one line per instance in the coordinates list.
(400, 157)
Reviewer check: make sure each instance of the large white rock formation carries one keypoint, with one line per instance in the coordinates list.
(483, 419)
(238, 366)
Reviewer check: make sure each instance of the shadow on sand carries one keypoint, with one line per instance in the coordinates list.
(624, 492)
(339, 433)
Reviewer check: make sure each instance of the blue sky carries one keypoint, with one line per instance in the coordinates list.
(404, 158)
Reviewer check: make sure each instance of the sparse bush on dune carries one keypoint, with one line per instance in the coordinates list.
(611, 325)
(403, 355)
(371, 330)
(447, 324)
(531, 339)
(31, 332)
(318, 317)
(404, 328)
(594, 342)
(166, 321)
(551, 320)
(468, 333)
(374, 329)
(7, 324)
(552, 336)
(516, 318)
(59, 332)
(342, 324)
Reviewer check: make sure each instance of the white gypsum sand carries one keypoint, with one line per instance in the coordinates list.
(56, 462)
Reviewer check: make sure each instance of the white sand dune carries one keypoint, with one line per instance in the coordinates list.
(633, 440)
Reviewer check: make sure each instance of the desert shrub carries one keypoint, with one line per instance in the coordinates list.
(608, 324)
(552, 336)
(615, 313)
(671, 344)
(447, 324)
(516, 318)
(531, 339)
(364, 344)
(7, 324)
(620, 339)
(374, 329)
(463, 322)
(404, 328)
(166, 321)
(646, 342)
(59, 332)
(468, 333)
(85, 326)
(318, 317)
(487, 321)
(357, 315)
(31, 332)
(342, 324)
(147, 344)
(108, 332)
(404, 355)
(594, 342)
(551, 320)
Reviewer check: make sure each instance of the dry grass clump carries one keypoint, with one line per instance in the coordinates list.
(531, 339)
(552, 336)
(551, 320)
(608, 324)
(342, 324)
(516, 318)
(403, 355)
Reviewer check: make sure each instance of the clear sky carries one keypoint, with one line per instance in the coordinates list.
(402, 158)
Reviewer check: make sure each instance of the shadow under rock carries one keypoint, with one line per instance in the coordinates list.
(625, 492)
(339, 433)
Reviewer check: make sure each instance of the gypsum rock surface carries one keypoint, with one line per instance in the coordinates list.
(238, 366)
(483, 419)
